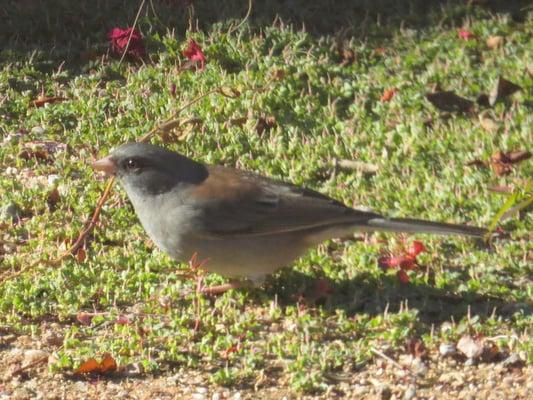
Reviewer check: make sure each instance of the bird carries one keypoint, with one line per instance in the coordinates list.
(243, 225)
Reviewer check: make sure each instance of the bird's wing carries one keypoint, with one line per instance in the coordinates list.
(235, 203)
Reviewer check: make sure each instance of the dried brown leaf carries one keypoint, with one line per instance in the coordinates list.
(477, 163)
(470, 347)
(501, 89)
(81, 255)
(517, 156)
(108, 364)
(53, 198)
(449, 101)
(488, 123)
(41, 101)
(493, 42)
(354, 165)
(278, 74)
(84, 318)
(483, 100)
(265, 124)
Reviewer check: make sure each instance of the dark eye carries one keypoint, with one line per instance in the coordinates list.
(132, 164)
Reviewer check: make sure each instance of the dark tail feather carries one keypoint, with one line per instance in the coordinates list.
(420, 226)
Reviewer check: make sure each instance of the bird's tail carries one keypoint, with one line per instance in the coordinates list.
(420, 226)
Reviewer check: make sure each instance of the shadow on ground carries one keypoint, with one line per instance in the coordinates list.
(67, 30)
(374, 295)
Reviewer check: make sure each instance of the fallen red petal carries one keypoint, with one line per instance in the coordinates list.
(466, 34)
(402, 276)
(388, 95)
(119, 38)
(194, 53)
(416, 248)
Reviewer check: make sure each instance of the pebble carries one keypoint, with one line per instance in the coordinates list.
(11, 171)
(508, 381)
(446, 326)
(52, 179)
(33, 355)
(513, 359)
(12, 137)
(359, 390)
(199, 396)
(420, 368)
(37, 130)
(470, 362)
(23, 393)
(52, 338)
(384, 392)
(216, 396)
(410, 393)
(11, 212)
(447, 349)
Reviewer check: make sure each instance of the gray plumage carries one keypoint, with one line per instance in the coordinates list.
(245, 225)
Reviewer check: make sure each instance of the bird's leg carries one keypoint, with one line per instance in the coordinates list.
(219, 289)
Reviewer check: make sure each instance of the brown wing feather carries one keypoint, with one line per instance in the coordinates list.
(242, 203)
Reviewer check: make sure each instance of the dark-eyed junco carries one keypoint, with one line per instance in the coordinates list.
(245, 225)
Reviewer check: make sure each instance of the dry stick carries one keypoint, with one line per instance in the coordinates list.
(169, 123)
(23, 368)
(393, 362)
(89, 226)
(233, 29)
(131, 33)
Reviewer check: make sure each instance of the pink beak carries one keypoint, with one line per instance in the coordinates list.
(107, 165)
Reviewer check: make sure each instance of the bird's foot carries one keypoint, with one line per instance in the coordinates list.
(219, 289)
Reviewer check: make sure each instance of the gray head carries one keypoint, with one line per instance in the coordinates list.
(150, 169)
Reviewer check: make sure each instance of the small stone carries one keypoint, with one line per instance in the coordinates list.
(359, 390)
(410, 393)
(31, 356)
(512, 360)
(37, 130)
(22, 393)
(52, 338)
(10, 212)
(470, 362)
(447, 349)
(11, 171)
(420, 368)
(384, 392)
(52, 179)
(173, 379)
(471, 347)
(198, 396)
(237, 396)
(446, 326)
(202, 390)
(508, 381)
(216, 396)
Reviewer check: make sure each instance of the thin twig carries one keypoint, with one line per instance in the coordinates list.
(89, 226)
(131, 33)
(233, 29)
(171, 120)
(393, 362)
(34, 363)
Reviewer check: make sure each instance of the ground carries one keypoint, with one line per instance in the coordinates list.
(330, 95)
